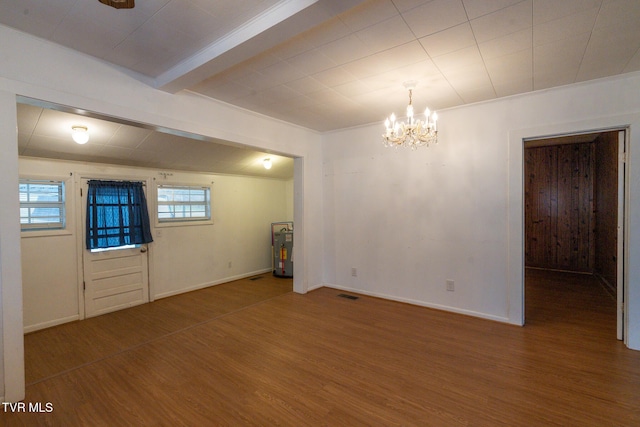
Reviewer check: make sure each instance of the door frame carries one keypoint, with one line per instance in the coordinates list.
(516, 210)
(80, 205)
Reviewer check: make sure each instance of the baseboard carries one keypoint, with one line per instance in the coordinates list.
(56, 322)
(609, 287)
(209, 284)
(314, 287)
(50, 323)
(423, 304)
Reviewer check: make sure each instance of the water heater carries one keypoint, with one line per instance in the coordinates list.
(282, 249)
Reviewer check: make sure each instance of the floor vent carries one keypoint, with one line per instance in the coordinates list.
(253, 279)
(347, 296)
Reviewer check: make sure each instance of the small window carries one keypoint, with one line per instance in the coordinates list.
(178, 203)
(42, 205)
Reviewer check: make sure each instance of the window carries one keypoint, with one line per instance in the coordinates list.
(117, 215)
(178, 203)
(42, 205)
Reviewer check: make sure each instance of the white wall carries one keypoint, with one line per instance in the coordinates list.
(181, 258)
(38, 69)
(12, 360)
(410, 220)
(289, 201)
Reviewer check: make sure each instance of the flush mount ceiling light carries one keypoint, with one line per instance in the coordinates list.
(80, 134)
(119, 4)
(413, 133)
(266, 163)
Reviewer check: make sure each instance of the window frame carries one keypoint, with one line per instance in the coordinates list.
(48, 229)
(163, 222)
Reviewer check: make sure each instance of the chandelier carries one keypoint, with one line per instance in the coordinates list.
(413, 133)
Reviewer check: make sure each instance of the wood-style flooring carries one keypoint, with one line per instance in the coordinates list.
(255, 353)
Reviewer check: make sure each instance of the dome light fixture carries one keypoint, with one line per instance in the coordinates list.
(266, 163)
(80, 134)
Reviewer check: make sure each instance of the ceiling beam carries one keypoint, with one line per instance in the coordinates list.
(284, 20)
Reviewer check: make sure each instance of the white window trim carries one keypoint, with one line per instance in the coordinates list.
(68, 208)
(186, 221)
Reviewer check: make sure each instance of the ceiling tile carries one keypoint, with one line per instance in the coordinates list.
(405, 5)
(550, 10)
(279, 94)
(158, 142)
(306, 85)
(608, 52)
(23, 143)
(346, 49)
(506, 45)
(434, 16)
(108, 17)
(148, 157)
(558, 63)
(128, 137)
(57, 124)
(513, 87)
(387, 34)
(368, 13)
(565, 27)
(58, 145)
(260, 61)
(449, 40)
(623, 14)
(116, 154)
(633, 64)
(36, 17)
(227, 91)
(281, 72)
(458, 60)
(311, 62)
(352, 88)
(546, 79)
(334, 77)
(253, 79)
(326, 32)
(476, 93)
(86, 38)
(293, 47)
(473, 76)
(503, 22)
(517, 66)
(28, 116)
(477, 8)
(387, 60)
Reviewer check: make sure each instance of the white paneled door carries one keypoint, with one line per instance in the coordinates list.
(113, 279)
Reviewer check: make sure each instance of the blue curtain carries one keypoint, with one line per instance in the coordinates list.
(117, 214)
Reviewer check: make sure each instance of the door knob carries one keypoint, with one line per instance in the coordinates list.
(143, 249)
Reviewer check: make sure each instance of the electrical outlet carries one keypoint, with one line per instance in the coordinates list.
(451, 286)
(354, 272)
(229, 264)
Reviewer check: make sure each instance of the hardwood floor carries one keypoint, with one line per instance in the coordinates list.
(278, 358)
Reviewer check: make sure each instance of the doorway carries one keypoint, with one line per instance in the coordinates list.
(113, 278)
(574, 210)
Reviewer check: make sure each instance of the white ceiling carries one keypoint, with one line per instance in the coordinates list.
(331, 64)
(46, 132)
